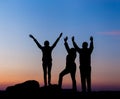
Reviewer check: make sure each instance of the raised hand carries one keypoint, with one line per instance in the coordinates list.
(66, 38)
(73, 38)
(60, 34)
(91, 38)
(31, 36)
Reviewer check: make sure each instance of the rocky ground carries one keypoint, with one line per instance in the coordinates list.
(31, 89)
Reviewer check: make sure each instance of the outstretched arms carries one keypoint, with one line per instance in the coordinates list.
(74, 44)
(57, 40)
(38, 44)
(66, 44)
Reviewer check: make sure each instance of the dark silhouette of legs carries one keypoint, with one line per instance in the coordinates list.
(83, 84)
(88, 84)
(86, 79)
(89, 80)
(49, 73)
(45, 74)
(73, 81)
(64, 72)
(72, 73)
(82, 73)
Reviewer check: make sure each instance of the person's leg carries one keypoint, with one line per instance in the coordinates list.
(73, 81)
(49, 73)
(89, 80)
(64, 72)
(83, 84)
(45, 74)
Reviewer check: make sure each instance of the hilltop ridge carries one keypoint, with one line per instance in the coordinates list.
(32, 89)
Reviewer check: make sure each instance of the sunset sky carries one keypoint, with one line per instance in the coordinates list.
(20, 58)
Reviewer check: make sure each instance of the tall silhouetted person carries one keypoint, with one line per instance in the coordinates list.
(70, 65)
(85, 63)
(46, 58)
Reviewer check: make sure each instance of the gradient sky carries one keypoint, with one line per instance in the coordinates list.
(20, 58)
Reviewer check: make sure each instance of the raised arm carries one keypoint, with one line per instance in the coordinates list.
(74, 44)
(91, 44)
(66, 44)
(55, 43)
(38, 44)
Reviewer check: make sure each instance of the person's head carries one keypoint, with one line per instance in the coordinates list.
(72, 51)
(85, 45)
(46, 43)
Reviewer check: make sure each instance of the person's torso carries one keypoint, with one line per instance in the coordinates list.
(85, 57)
(47, 51)
(70, 61)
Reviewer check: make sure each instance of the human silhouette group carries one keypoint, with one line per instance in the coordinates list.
(84, 60)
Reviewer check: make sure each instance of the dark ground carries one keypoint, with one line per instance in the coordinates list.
(31, 89)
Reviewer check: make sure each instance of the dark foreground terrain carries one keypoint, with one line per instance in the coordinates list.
(31, 89)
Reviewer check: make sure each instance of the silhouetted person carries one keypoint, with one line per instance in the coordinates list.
(46, 57)
(85, 63)
(70, 65)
